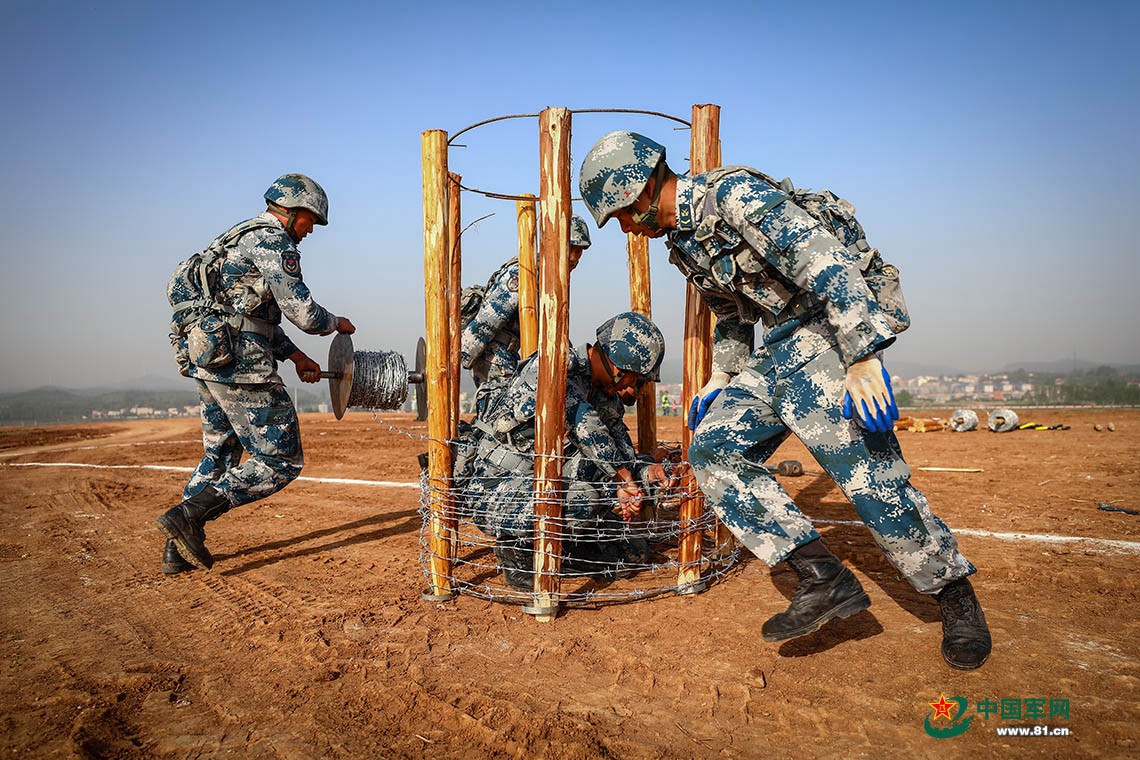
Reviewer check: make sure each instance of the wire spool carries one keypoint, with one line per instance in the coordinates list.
(1003, 420)
(369, 379)
(963, 420)
(379, 380)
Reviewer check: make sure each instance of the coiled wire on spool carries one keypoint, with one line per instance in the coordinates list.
(379, 380)
(963, 420)
(1003, 420)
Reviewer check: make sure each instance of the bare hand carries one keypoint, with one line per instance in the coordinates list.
(344, 325)
(307, 369)
(665, 482)
(629, 499)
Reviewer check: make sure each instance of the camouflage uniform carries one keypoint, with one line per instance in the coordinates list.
(244, 403)
(757, 257)
(499, 491)
(490, 342)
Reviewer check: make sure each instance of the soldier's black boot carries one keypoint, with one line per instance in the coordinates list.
(183, 525)
(966, 639)
(516, 560)
(172, 562)
(827, 590)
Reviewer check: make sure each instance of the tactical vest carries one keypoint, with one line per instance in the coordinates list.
(201, 326)
(837, 216)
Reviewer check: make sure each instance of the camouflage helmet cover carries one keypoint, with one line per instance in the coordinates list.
(299, 191)
(615, 172)
(579, 233)
(633, 343)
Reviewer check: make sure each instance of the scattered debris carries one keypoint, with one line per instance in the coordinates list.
(920, 425)
(1110, 508)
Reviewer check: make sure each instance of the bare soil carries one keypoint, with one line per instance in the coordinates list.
(309, 638)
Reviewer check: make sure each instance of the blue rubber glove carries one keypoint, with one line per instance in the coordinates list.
(705, 396)
(869, 397)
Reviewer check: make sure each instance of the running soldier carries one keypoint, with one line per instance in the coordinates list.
(244, 401)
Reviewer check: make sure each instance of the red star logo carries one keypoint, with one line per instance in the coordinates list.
(941, 707)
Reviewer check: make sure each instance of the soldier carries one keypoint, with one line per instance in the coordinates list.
(490, 341)
(244, 401)
(602, 470)
(757, 257)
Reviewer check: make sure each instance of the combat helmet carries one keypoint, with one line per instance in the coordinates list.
(633, 343)
(299, 191)
(579, 233)
(616, 171)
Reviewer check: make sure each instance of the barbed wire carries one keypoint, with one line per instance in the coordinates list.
(605, 559)
(632, 563)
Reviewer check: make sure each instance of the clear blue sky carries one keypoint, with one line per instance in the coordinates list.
(992, 151)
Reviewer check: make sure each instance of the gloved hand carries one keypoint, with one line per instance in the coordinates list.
(869, 396)
(705, 396)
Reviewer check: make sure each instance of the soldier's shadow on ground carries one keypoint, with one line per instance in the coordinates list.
(411, 522)
(821, 499)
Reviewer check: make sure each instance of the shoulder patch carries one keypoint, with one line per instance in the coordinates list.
(513, 283)
(291, 263)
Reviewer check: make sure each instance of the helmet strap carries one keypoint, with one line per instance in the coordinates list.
(289, 225)
(648, 218)
(290, 221)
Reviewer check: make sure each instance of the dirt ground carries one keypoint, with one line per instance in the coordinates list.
(309, 637)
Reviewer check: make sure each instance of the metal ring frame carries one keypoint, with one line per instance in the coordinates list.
(506, 197)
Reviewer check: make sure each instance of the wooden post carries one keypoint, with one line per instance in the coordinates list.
(704, 155)
(553, 347)
(528, 279)
(433, 145)
(454, 291)
(640, 301)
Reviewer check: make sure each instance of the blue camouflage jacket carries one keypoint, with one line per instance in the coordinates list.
(260, 278)
(491, 338)
(595, 426)
(757, 257)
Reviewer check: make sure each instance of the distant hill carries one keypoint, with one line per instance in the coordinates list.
(1061, 366)
(51, 406)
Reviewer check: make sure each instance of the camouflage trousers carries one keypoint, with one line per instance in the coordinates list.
(753, 416)
(261, 420)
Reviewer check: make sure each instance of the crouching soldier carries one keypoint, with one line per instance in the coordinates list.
(605, 481)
